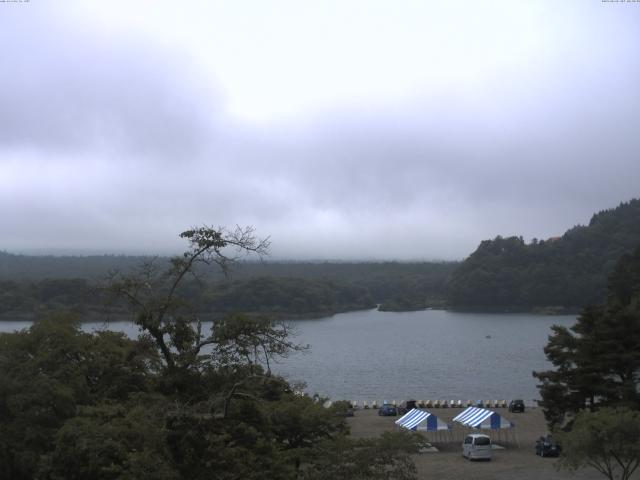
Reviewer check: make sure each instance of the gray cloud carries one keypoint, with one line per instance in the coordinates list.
(111, 142)
(73, 90)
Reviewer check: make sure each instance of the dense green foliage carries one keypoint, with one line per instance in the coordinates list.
(607, 440)
(386, 458)
(279, 289)
(39, 267)
(100, 406)
(419, 284)
(278, 296)
(27, 299)
(592, 396)
(597, 361)
(378, 277)
(568, 272)
(49, 375)
(178, 402)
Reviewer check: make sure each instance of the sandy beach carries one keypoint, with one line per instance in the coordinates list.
(516, 461)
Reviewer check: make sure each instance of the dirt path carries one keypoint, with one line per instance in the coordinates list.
(515, 461)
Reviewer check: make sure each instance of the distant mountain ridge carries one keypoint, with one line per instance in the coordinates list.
(38, 267)
(555, 275)
(31, 286)
(566, 272)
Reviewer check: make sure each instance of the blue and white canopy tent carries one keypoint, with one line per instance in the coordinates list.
(423, 421)
(476, 417)
(481, 418)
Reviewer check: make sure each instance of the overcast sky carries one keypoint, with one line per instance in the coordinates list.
(342, 129)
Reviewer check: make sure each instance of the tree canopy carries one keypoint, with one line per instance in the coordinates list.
(177, 402)
(607, 440)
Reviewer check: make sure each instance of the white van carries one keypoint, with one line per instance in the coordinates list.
(477, 446)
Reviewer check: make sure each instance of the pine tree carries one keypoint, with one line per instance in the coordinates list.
(597, 361)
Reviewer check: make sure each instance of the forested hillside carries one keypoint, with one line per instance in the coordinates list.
(31, 286)
(35, 268)
(556, 274)
(567, 272)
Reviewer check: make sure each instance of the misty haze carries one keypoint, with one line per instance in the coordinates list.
(411, 134)
(308, 240)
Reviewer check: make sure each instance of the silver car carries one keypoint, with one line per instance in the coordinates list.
(477, 446)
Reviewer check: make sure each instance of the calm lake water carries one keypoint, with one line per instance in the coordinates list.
(431, 354)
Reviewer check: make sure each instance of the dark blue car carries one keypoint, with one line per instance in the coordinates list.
(516, 406)
(547, 447)
(388, 410)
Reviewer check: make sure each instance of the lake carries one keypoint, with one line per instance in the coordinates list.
(430, 354)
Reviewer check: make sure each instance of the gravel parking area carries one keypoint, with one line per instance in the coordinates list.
(515, 461)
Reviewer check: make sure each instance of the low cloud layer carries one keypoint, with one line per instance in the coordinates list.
(113, 141)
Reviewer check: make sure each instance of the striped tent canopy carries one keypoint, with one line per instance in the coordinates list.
(416, 419)
(476, 417)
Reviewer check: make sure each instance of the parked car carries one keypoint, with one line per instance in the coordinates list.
(546, 446)
(343, 408)
(516, 406)
(347, 412)
(388, 410)
(406, 406)
(477, 446)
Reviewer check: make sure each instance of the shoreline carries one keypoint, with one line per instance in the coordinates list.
(94, 316)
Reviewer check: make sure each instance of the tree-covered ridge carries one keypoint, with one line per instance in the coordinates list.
(34, 268)
(570, 271)
(566, 272)
(286, 295)
(281, 297)
(281, 289)
(92, 267)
